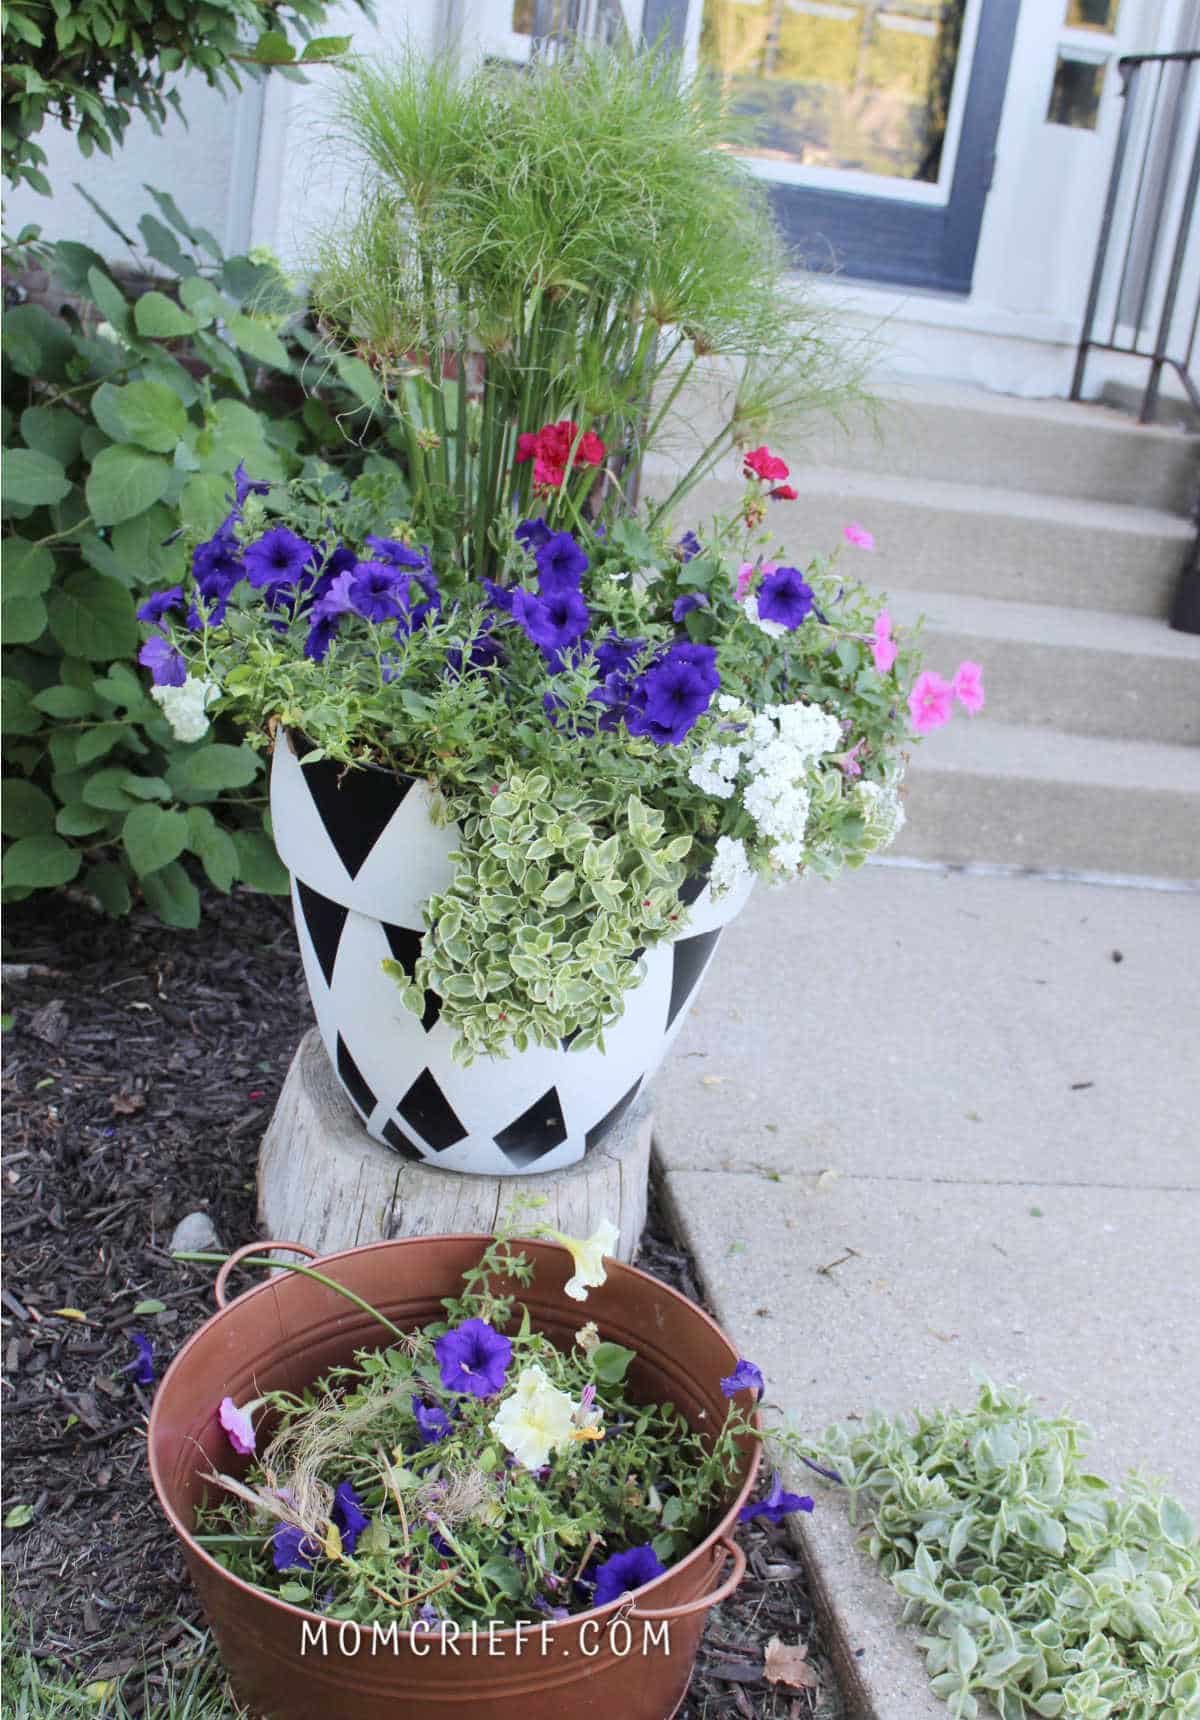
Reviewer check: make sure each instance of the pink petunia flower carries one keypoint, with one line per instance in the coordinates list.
(238, 1426)
(968, 685)
(930, 702)
(849, 760)
(859, 536)
(883, 646)
(745, 576)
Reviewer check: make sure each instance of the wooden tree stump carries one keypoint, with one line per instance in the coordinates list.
(323, 1181)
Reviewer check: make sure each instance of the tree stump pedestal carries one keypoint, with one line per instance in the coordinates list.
(323, 1181)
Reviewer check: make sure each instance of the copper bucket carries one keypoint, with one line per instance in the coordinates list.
(626, 1661)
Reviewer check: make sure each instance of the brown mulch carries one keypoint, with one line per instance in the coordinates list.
(141, 1067)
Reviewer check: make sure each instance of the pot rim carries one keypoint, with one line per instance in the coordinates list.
(574, 1620)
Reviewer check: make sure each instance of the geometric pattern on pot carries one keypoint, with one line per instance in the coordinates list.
(535, 1111)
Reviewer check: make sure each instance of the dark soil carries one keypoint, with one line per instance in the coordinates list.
(141, 1068)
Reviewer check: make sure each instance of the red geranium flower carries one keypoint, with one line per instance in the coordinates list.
(761, 463)
(550, 449)
(782, 493)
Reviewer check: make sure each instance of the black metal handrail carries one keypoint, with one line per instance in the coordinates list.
(1141, 188)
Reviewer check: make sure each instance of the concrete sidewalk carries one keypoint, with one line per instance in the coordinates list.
(922, 1122)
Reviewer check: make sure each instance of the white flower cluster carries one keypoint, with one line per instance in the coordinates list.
(184, 707)
(730, 866)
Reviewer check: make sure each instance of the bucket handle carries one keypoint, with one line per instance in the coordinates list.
(253, 1248)
(704, 1602)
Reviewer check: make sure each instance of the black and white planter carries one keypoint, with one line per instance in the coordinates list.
(364, 854)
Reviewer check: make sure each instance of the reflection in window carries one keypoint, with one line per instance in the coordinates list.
(862, 84)
(1092, 14)
(522, 17)
(1075, 97)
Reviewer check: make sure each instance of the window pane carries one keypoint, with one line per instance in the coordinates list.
(1092, 14)
(1075, 97)
(859, 84)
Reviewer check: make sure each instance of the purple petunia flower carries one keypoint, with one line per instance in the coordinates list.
(777, 1505)
(829, 1474)
(553, 621)
(473, 1358)
(673, 693)
(624, 1572)
(321, 634)
(688, 547)
(533, 534)
(745, 1377)
(166, 665)
(292, 1549)
(561, 564)
(142, 1365)
(278, 558)
(499, 596)
(432, 1423)
(544, 1606)
(684, 605)
(374, 591)
(244, 486)
(614, 655)
(162, 603)
(348, 1514)
(415, 615)
(397, 554)
(786, 598)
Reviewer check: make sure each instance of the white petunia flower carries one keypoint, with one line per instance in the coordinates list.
(775, 629)
(727, 702)
(535, 1419)
(588, 1255)
(184, 707)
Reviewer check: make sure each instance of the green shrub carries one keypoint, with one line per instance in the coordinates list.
(92, 64)
(124, 421)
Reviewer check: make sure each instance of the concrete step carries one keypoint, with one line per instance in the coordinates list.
(1086, 450)
(1019, 795)
(970, 538)
(1075, 670)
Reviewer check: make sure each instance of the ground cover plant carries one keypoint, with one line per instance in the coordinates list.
(1041, 1589)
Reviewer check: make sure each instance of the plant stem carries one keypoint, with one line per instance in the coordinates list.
(305, 1272)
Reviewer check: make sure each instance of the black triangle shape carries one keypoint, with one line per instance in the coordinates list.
(405, 945)
(610, 1119)
(427, 1110)
(352, 1079)
(400, 1143)
(324, 920)
(535, 1132)
(690, 956)
(355, 806)
(693, 887)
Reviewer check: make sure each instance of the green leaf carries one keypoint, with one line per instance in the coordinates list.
(214, 848)
(98, 741)
(110, 300)
(259, 865)
(79, 819)
(22, 618)
(64, 702)
(110, 886)
(296, 1593)
(28, 568)
(124, 482)
(54, 431)
(273, 48)
(164, 247)
(17, 715)
(24, 809)
(148, 413)
(204, 503)
(151, 1305)
(504, 1574)
(259, 340)
(146, 787)
(212, 768)
(159, 318)
(32, 479)
(1175, 1523)
(610, 1363)
(325, 47)
(93, 616)
(42, 862)
(171, 894)
(105, 788)
(153, 837)
(18, 1517)
(37, 344)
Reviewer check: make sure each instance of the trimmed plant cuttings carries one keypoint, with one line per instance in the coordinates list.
(1041, 1590)
(472, 1473)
